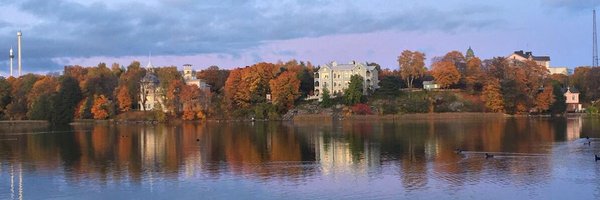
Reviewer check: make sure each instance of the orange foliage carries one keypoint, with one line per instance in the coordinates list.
(42, 88)
(445, 73)
(100, 107)
(285, 89)
(124, 99)
(192, 107)
(493, 96)
(473, 72)
(412, 66)
(174, 92)
(544, 99)
(249, 85)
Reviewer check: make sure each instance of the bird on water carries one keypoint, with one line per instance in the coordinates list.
(458, 151)
(487, 155)
(597, 157)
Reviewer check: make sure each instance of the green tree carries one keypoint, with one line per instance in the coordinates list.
(559, 105)
(326, 100)
(389, 86)
(63, 105)
(41, 109)
(4, 96)
(354, 93)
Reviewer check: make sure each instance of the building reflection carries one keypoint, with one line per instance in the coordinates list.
(418, 152)
(574, 125)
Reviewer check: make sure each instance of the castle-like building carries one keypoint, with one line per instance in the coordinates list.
(336, 77)
(151, 95)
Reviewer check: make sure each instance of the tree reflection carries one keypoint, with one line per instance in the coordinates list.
(422, 150)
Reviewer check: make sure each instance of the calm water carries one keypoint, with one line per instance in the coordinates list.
(534, 159)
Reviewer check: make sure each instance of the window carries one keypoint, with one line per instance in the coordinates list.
(316, 83)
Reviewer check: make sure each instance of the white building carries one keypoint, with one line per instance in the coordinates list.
(336, 77)
(189, 76)
(540, 60)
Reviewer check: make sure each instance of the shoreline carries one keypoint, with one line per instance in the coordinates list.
(314, 118)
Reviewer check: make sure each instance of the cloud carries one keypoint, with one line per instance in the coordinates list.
(573, 5)
(58, 29)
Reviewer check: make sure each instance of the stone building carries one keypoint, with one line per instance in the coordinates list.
(336, 78)
(189, 76)
(151, 95)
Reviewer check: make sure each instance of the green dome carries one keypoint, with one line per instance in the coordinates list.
(470, 53)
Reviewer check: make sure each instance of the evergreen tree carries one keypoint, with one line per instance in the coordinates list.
(559, 106)
(354, 93)
(41, 109)
(63, 106)
(326, 100)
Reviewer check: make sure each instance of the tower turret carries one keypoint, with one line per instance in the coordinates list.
(19, 34)
(11, 56)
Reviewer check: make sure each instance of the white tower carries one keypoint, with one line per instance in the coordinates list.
(11, 56)
(19, 50)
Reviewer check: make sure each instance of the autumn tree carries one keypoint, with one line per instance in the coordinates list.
(284, 89)
(233, 93)
(492, 96)
(174, 93)
(131, 79)
(354, 93)
(532, 80)
(544, 99)
(116, 69)
(250, 85)
(190, 97)
(166, 75)
(100, 108)
(41, 89)
(99, 80)
(214, 77)
(579, 80)
(39, 104)
(304, 72)
(20, 88)
(445, 73)
(457, 59)
(473, 74)
(592, 84)
(124, 99)
(412, 66)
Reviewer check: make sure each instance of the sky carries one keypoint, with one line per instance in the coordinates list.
(230, 33)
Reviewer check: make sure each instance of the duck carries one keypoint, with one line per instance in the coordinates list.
(487, 155)
(458, 151)
(597, 157)
(588, 143)
(587, 137)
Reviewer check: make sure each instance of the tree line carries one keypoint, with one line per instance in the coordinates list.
(268, 90)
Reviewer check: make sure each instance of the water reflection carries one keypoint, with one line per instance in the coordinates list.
(418, 154)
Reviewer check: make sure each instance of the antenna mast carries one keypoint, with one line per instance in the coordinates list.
(595, 43)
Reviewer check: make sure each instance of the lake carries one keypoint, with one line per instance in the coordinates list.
(534, 158)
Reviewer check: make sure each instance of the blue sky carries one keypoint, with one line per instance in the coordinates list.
(232, 33)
